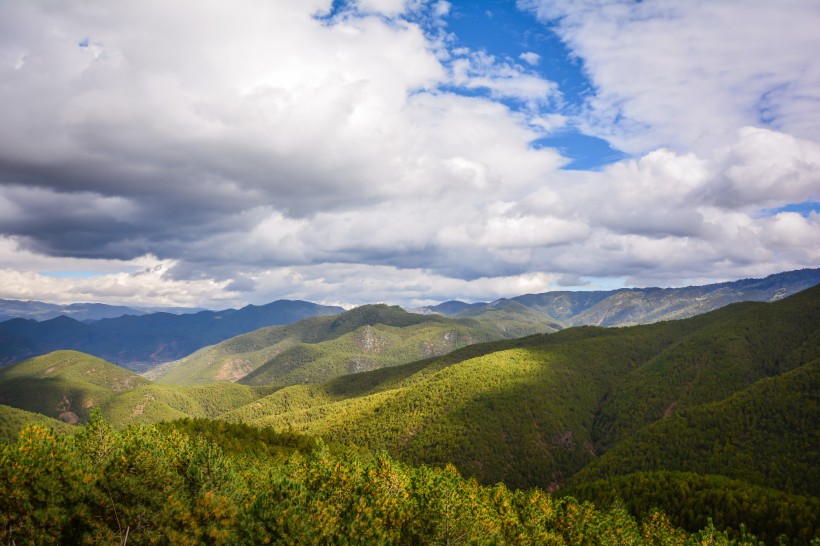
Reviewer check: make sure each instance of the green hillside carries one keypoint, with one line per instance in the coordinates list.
(68, 385)
(13, 420)
(519, 415)
(776, 420)
(730, 394)
(362, 339)
(65, 385)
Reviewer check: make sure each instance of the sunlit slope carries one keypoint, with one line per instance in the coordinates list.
(520, 415)
(64, 384)
(67, 385)
(318, 349)
(538, 413)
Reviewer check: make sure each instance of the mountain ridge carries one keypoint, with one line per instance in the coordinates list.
(320, 348)
(141, 341)
(628, 306)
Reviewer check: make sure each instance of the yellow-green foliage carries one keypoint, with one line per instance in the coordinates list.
(521, 415)
(64, 384)
(146, 485)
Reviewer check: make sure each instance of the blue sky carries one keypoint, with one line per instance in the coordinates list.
(404, 151)
(504, 31)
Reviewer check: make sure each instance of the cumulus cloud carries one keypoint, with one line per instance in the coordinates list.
(686, 75)
(209, 155)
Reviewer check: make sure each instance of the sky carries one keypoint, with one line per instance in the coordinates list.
(217, 154)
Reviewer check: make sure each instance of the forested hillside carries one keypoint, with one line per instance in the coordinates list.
(321, 348)
(581, 400)
(68, 385)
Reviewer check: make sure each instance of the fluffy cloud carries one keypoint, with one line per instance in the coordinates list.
(209, 155)
(686, 75)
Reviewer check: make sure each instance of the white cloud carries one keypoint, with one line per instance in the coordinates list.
(686, 75)
(255, 152)
(530, 57)
(387, 7)
(504, 79)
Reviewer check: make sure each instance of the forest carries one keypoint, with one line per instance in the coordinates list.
(205, 482)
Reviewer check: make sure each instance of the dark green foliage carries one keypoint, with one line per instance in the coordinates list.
(766, 435)
(146, 485)
(13, 420)
(695, 499)
(241, 439)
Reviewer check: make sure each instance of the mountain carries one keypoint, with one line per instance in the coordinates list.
(321, 348)
(630, 306)
(67, 385)
(728, 396)
(556, 401)
(139, 342)
(82, 312)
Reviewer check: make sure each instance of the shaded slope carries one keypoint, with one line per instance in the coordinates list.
(13, 420)
(64, 384)
(775, 420)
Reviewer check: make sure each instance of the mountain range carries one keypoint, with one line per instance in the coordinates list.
(710, 416)
(84, 312)
(628, 306)
(140, 342)
(321, 348)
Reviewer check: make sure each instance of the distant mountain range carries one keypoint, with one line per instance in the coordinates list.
(139, 342)
(84, 312)
(629, 306)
